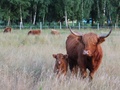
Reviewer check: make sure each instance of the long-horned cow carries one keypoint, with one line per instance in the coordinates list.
(84, 51)
(34, 32)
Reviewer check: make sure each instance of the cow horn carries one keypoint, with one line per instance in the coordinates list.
(106, 35)
(76, 34)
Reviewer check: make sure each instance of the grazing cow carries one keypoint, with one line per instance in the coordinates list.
(61, 64)
(7, 29)
(55, 32)
(84, 51)
(34, 32)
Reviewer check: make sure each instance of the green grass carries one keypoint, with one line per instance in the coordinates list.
(26, 62)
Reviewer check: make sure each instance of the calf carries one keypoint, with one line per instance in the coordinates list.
(61, 64)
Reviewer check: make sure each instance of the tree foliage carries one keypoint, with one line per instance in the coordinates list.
(33, 11)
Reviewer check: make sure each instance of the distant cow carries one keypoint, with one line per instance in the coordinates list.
(34, 32)
(61, 64)
(84, 50)
(7, 29)
(55, 32)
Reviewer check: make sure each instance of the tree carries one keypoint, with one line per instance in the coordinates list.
(5, 10)
(43, 9)
(85, 7)
(23, 5)
(115, 13)
(32, 11)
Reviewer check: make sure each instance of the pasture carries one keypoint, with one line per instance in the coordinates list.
(26, 62)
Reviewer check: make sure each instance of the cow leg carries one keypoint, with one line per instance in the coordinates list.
(74, 69)
(91, 75)
(93, 69)
(83, 72)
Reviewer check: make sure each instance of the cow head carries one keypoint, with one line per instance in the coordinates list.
(60, 63)
(90, 41)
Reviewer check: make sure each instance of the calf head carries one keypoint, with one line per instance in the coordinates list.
(61, 63)
(90, 41)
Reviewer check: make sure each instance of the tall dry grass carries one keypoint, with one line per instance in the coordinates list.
(26, 63)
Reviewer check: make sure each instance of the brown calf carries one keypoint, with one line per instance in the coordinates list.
(61, 64)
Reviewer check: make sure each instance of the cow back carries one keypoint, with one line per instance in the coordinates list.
(55, 32)
(34, 32)
(7, 29)
(73, 45)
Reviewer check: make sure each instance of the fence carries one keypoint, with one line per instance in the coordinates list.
(60, 26)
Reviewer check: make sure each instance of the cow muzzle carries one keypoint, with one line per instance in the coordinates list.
(86, 52)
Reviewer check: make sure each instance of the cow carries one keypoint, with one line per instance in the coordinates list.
(34, 32)
(85, 52)
(55, 32)
(61, 64)
(7, 29)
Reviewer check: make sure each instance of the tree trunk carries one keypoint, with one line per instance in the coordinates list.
(8, 24)
(43, 19)
(34, 18)
(82, 11)
(117, 19)
(98, 10)
(66, 22)
(21, 21)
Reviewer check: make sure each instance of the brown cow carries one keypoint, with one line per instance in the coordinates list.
(55, 32)
(7, 29)
(34, 32)
(61, 64)
(85, 51)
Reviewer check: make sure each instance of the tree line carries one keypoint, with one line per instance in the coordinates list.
(33, 11)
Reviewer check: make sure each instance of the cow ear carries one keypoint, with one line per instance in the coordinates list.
(65, 56)
(54, 55)
(101, 40)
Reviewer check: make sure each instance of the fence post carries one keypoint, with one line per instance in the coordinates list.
(60, 26)
(79, 25)
(40, 25)
(98, 26)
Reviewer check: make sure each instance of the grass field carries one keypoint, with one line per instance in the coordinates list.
(26, 62)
